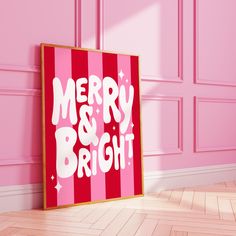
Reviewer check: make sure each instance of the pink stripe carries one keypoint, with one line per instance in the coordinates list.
(63, 72)
(127, 174)
(98, 188)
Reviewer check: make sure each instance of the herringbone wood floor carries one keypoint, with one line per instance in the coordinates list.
(199, 211)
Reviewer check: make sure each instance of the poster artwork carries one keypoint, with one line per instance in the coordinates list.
(91, 126)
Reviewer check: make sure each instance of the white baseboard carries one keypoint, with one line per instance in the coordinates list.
(21, 197)
(160, 180)
(30, 196)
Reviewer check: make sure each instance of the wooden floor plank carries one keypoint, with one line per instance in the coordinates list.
(205, 225)
(225, 209)
(163, 230)
(9, 231)
(60, 228)
(132, 224)
(106, 219)
(200, 234)
(233, 204)
(200, 230)
(95, 215)
(6, 224)
(179, 233)
(146, 228)
(118, 222)
(199, 201)
(84, 212)
(176, 195)
(187, 199)
(33, 232)
(189, 219)
(165, 195)
(45, 217)
(212, 205)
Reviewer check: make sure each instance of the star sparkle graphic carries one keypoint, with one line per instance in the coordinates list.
(58, 187)
(121, 74)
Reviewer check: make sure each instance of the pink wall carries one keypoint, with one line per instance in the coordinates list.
(188, 76)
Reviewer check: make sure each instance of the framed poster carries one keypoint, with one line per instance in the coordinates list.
(91, 126)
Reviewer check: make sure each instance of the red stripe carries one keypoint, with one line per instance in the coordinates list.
(136, 129)
(82, 188)
(113, 189)
(49, 73)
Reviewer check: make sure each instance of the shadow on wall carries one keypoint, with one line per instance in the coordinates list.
(129, 25)
(123, 11)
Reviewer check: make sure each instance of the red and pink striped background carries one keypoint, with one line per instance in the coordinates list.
(75, 63)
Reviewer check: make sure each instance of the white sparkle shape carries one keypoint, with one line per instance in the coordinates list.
(129, 163)
(121, 74)
(126, 81)
(132, 125)
(58, 187)
(52, 177)
(97, 110)
(114, 127)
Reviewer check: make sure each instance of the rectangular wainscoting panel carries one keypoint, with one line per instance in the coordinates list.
(20, 139)
(215, 42)
(151, 29)
(215, 127)
(25, 24)
(162, 125)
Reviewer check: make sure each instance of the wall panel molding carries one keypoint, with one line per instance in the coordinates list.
(20, 92)
(161, 79)
(180, 40)
(197, 79)
(179, 149)
(100, 25)
(20, 68)
(78, 23)
(197, 146)
(21, 161)
(179, 77)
